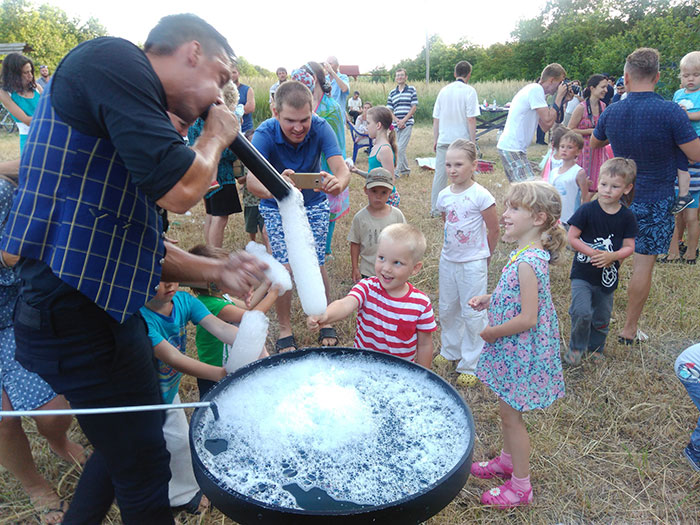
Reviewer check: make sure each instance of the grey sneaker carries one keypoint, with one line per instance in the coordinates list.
(693, 456)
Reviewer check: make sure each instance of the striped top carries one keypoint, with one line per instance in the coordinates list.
(400, 102)
(391, 324)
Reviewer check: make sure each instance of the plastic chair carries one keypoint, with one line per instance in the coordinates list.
(356, 137)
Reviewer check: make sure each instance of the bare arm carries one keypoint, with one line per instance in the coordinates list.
(436, 132)
(595, 143)
(424, 349)
(547, 118)
(223, 331)
(582, 182)
(603, 259)
(471, 124)
(13, 108)
(172, 357)
(220, 128)
(250, 102)
(574, 238)
(336, 311)
(576, 120)
(527, 318)
(355, 260)
(490, 216)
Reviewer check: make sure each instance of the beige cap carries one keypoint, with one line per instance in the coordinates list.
(380, 177)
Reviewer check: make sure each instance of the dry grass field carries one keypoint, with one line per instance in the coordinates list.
(609, 452)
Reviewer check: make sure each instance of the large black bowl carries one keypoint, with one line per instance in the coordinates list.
(413, 508)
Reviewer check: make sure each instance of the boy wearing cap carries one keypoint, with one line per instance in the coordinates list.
(368, 223)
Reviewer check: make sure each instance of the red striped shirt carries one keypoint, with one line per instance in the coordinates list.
(391, 324)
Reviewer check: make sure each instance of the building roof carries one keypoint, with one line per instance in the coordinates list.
(20, 47)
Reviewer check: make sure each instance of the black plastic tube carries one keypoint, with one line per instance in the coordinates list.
(261, 168)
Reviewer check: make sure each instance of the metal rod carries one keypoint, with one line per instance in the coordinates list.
(108, 410)
(261, 167)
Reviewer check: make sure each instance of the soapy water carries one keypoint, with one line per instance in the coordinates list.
(249, 342)
(275, 272)
(361, 430)
(302, 253)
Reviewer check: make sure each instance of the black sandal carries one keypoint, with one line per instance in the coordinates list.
(285, 342)
(328, 333)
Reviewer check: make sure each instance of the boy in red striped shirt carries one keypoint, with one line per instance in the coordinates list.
(393, 316)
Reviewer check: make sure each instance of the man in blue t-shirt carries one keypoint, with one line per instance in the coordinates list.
(293, 142)
(650, 131)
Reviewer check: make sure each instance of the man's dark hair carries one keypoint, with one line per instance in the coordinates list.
(642, 63)
(463, 69)
(174, 30)
(294, 94)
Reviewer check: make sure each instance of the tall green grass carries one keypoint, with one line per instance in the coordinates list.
(376, 92)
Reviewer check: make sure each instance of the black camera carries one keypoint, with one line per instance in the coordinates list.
(576, 90)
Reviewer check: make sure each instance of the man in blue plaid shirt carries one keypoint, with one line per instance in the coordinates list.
(101, 157)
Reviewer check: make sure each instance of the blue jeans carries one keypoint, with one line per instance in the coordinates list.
(590, 311)
(688, 372)
(94, 361)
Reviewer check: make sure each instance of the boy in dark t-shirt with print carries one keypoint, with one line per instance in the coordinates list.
(602, 232)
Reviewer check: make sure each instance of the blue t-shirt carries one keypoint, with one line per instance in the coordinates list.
(605, 232)
(173, 329)
(247, 122)
(647, 129)
(691, 103)
(302, 158)
(341, 97)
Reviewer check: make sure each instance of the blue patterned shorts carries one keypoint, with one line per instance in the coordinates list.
(655, 224)
(319, 217)
(26, 390)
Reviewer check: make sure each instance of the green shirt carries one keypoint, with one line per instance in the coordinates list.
(209, 349)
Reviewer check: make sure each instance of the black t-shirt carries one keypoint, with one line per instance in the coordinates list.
(107, 88)
(601, 231)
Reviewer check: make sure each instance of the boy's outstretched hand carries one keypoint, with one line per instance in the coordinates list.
(480, 302)
(314, 322)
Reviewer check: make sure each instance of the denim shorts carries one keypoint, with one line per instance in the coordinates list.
(319, 217)
(655, 224)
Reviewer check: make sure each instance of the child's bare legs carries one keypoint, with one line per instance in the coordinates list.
(516, 441)
(55, 430)
(690, 217)
(673, 250)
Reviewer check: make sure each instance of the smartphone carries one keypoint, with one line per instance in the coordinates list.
(306, 181)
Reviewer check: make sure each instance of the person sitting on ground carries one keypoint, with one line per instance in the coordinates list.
(369, 222)
(210, 349)
(602, 232)
(393, 316)
(569, 178)
(167, 315)
(292, 141)
(354, 106)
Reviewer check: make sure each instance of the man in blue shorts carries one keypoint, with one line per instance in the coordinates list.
(650, 131)
(293, 141)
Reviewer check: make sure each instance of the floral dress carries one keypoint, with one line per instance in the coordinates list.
(591, 159)
(524, 369)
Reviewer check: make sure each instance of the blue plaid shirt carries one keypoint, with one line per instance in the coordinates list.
(78, 210)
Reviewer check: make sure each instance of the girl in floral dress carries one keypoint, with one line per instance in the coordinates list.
(520, 361)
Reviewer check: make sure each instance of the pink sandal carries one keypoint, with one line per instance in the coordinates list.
(500, 498)
(491, 469)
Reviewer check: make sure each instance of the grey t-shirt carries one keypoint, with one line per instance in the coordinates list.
(365, 231)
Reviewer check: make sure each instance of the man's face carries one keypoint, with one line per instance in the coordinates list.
(400, 77)
(201, 85)
(551, 85)
(44, 71)
(333, 62)
(281, 75)
(234, 75)
(295, 122)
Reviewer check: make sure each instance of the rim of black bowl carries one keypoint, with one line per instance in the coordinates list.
(195, 423)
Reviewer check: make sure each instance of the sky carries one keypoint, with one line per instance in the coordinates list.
(286, 33)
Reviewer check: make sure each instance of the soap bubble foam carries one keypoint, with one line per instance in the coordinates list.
(276, 272)
(249, 342)
(302, 253)
(362, 430)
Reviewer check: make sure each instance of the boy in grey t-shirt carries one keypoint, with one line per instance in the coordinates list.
(368, 223)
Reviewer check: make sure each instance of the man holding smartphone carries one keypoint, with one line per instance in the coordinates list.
(292, 141)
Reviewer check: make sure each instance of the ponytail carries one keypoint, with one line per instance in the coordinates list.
(391, 136)
(554, 240)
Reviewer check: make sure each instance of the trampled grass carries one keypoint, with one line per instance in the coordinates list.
(609, 452)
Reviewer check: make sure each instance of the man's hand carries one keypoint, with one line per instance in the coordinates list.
(561, 93)
(330, 184)
(401, 124)
(221, 123)
(603, 259)
(240, 273)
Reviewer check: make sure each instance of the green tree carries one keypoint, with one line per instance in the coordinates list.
(47, 29)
